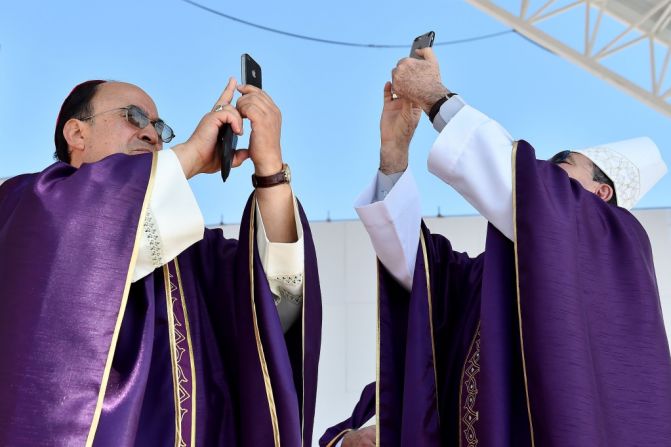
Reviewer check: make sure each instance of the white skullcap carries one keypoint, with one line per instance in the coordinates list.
(633, 165)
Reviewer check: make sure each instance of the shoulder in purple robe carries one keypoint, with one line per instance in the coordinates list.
(554, 340)
(193, 353)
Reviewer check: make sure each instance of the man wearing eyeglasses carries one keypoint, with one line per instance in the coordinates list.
(123, 321)
(551, 337)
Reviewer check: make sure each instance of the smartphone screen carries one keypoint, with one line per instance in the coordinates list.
(423, 41)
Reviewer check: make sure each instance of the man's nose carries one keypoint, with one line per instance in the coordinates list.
(149, 135)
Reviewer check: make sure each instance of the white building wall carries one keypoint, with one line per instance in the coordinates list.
(347, 268)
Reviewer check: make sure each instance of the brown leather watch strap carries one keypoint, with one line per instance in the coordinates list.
(284, 176)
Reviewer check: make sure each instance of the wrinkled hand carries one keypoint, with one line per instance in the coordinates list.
(266, 121)
(397, 126)
(418, 80)
(364, 437)
(198, 154)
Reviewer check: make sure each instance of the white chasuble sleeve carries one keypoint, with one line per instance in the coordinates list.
(173, 222)
(284, 267)
(393, 224)
(473, 155)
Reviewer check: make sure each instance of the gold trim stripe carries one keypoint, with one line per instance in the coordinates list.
(191, 355)
(173, 359)
(517, 283)
(377, 363)
(122, 307)
(461, 381)
(303, 363)
(259, 344)
(428, 290)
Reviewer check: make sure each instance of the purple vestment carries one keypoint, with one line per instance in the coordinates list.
(199, 353)
(556, 340)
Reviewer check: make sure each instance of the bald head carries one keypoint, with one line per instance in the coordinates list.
(101, 128)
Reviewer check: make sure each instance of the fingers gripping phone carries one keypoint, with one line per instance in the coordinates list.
(227, 140)
(423, 41)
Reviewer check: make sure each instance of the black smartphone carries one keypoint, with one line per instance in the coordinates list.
(423, 41)
(227, 140)
(251, 71)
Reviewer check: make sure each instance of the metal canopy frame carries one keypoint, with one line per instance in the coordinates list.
(644, 23)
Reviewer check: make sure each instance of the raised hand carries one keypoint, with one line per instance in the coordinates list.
(397, 126)
(198, 155)
(266, 121)
(364, 437)
(418, 80)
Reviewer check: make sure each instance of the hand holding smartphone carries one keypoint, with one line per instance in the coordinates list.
(227, 140)
(423, 41)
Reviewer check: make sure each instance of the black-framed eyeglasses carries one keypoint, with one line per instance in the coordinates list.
(560, 157)
(139, 119)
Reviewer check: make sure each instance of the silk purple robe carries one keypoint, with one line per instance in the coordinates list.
(193, 354)
(555, 340)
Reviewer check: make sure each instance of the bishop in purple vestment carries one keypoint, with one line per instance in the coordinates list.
(111, 336)
(551, 337)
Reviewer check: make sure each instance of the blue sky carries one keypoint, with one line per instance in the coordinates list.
(330, 96)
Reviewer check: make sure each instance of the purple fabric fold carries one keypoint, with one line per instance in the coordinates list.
(597, 356)
(58, 301)
(363, 411)
(59, 309)
(580, 358)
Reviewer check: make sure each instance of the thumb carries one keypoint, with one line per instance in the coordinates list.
(239, 156)
(388, 96)
(427, 54)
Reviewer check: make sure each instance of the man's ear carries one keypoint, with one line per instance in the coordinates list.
(604, 191)
(73, 131)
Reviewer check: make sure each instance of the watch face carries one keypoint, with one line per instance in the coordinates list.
(287, 173)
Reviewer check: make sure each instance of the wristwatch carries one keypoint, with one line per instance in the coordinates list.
(284, 176)
(438, 104)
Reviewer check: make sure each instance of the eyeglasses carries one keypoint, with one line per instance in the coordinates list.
(560, 157)
(139, 119)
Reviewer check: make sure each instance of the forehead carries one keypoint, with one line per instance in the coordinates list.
(120, 94)
(580, 159)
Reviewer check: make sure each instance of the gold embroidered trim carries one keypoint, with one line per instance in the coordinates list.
(122, 308)
(191, 355)
(174, 355)
(428, 290)
(469, 373)
(259, 344)
(517, 282)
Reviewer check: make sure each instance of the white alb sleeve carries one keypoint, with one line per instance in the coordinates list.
(284, 267)
(393, 225)
(473, 154)
(173, 221)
